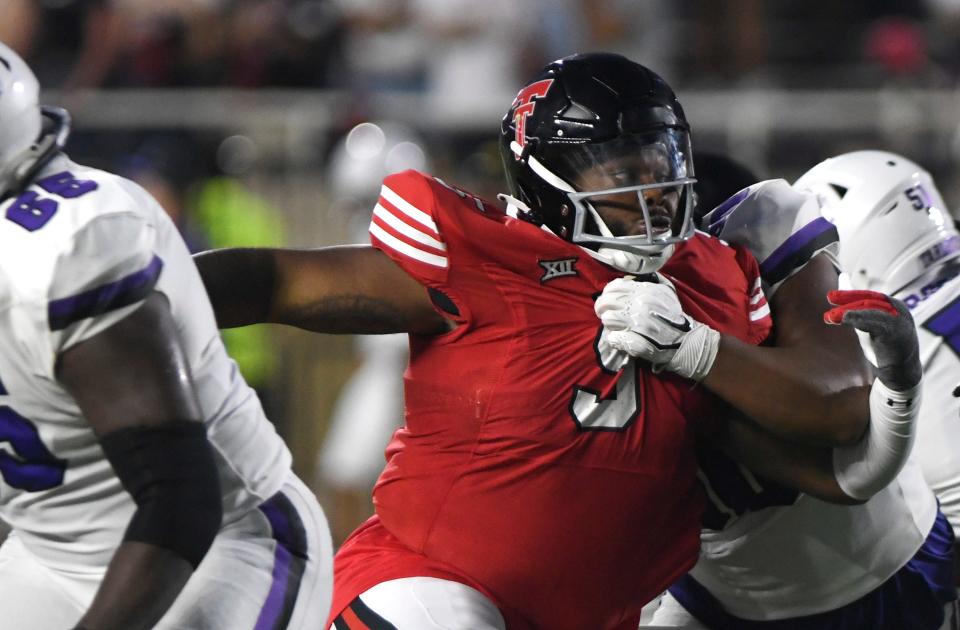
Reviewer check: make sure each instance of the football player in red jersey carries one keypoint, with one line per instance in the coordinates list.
(543, 479)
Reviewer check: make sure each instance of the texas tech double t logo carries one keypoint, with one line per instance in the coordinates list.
(523, 107)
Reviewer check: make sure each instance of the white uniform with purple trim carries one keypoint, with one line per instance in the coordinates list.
(81, 249)
(769, 553)
(935, 306)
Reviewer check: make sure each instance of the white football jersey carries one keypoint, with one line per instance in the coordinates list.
(809, 556)
(780, 226)
(773, 553)
(935, 307)
(81, 249)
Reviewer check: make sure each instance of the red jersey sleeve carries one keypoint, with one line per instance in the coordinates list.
(405, 226)
(758, 310)
(719, 284)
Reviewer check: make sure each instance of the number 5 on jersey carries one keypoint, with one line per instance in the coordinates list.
(32, 466)
(618, 411)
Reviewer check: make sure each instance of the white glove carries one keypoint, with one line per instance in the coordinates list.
(645, 320)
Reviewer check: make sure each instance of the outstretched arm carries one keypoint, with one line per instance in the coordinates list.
(804, 467)
(133, 385)
(345, 289)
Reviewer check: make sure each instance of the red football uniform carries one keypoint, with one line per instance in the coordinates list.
(538, 465)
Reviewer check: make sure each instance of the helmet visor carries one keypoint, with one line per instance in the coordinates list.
(633, 190)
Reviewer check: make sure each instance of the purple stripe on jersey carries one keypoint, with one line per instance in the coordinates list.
(946, 323)
(123, 292)
(289, 561)
(797, 242)
(718, 216)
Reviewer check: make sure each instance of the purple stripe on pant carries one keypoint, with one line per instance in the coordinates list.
(290, 559)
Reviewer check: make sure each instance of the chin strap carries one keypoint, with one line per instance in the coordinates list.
(50, 143)
(632, 262)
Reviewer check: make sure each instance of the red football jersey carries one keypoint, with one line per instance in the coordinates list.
(551, 472)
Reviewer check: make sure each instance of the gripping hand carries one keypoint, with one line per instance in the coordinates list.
(869, 465)
(646, 320)
(893, 335)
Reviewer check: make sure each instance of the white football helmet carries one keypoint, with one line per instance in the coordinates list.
(890, 217)
(20, 118)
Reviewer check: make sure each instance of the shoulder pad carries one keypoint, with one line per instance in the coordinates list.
(406, 225)
(782, 227)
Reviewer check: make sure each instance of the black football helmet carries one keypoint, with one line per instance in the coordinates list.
(597, 148)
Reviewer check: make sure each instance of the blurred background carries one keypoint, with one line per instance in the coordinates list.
(272, 122)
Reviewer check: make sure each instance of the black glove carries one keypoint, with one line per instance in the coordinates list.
(892, 333)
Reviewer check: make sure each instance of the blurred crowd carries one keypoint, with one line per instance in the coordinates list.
(442, 46)
(464, 58)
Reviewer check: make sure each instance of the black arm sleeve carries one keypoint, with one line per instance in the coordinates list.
(240, 283)
(171, 474)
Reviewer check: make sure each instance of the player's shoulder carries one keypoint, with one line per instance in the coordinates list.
(767, 205)
(707, 242)
(410, 184)
(73, 216)
(709, 261)
(65, 197)
(91, 192)
(781, 226)
(416, 194)
(708, 269)
(704, 248)
(424, 219)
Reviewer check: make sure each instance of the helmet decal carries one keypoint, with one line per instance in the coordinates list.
(524, 105)
(939, 251)
(919, 198)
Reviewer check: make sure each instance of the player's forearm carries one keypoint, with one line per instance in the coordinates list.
(793, 394)
(240, 283)
(141, 583)
(172, 477)
(349, 289)
(806, 468)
